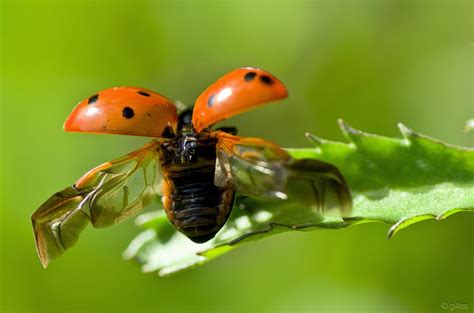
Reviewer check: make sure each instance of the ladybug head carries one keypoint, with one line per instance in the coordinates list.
(185, 119)
(185, 141)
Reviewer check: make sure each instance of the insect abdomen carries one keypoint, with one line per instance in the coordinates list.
(193, 203)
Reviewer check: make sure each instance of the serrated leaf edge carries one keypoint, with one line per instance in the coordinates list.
(348, 222)
(422, 217)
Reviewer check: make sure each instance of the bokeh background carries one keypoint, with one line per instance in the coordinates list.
(372, 63)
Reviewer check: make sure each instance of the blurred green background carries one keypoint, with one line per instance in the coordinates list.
(373, 63)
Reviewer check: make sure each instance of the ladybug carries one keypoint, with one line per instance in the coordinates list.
(195, 169)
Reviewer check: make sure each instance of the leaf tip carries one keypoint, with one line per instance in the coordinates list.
(392, 231)
(407, 222)
(343, 125)
(348, 131)
(314, 139)
(128, 254)
(406, 131)
(443, 215)
(469, 126)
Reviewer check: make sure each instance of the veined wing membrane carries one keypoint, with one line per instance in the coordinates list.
(104, 196)
(261, 169)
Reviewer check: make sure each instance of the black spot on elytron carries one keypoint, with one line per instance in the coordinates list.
(143, 93)
(250, 76)
(267, 80)
(167, 132)
(148, 114)
(93, 99)
(210, 101)
(127, 112)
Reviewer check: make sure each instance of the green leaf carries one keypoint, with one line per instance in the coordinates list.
(394, 181)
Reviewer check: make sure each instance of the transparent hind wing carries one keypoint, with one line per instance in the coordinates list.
(261, 169)
(320, 185)
(104, 196)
